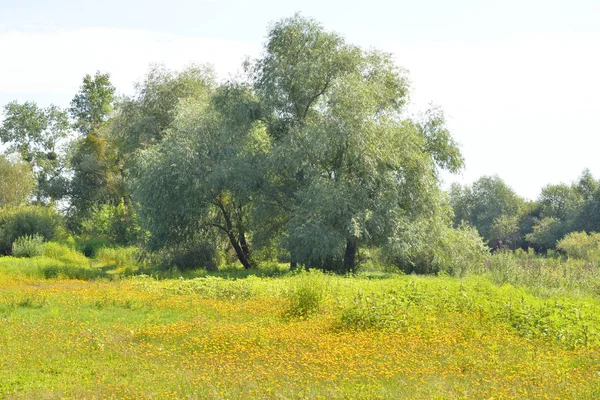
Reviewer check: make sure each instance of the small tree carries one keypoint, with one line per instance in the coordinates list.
(96, 175)
(35, 134)
(505, 232)
(17, 182)
(581, 245)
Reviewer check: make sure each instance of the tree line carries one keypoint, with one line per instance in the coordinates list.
(506, 220)
(308, 156)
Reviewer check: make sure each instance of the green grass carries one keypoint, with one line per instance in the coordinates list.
(112, 326)
(301, 335)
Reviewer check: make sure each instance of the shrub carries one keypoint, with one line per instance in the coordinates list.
(440, 249)
(306, 294)
(118, 223)
(92, 246)
(119, 257)
(65, 254)
(546, 233)
(459, 251)
(581, 245)
(28, 246)
(29, 220)
(193, 256)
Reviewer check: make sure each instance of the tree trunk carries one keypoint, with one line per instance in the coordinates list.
(241, 247)
(293, 263)
(350, 254)
(239, 252)
(244, 245)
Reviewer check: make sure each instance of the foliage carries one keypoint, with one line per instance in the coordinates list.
(65, 254)
(546, 233)
(581, 245)
(29, 220)
(347, 164)
(28, 246)
(195, 255)
(143, 119)
(486, 202)
(459, 251)
(118, 223)
(16, 182)
(306, 295)
(35, 134)
(97, 178)
(92, 105)
(505, 232)
(203, 174)
(92, 246)
(439, 249)
(119, 257)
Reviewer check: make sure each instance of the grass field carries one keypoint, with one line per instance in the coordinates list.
(306, 335)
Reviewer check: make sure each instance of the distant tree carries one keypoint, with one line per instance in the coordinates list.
(35, 134)
(17, 182)
(505, 232)
(481, 204)
(93, 104)
(559, 201)
(95, 172)
(546, 233)
(572, 208)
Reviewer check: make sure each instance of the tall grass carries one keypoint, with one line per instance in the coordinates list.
(544, 275)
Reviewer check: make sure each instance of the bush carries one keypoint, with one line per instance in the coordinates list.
(581, 245)
(440, 249)
(459, 251)
(194, 256)
(546, 233)
(65, 254)
(120, 257)
(118, 223)
(92, 246)
(28, 246)
(16, 222)
(306, 294)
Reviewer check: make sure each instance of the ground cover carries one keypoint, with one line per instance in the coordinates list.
(306, 335)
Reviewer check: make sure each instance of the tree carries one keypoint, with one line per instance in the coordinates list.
(572, 208)
(481, 204)
(93, 104)
(205, 171)
(559, 201)
(505, 232)
(546, 233)
(16, 182)
(143, 119)
(96, 175)
(352, 166)
(35, 134)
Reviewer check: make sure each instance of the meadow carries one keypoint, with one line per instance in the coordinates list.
(97, 330)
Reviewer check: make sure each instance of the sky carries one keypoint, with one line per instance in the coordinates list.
(519, 81)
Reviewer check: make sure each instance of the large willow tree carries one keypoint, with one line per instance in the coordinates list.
(353, 166)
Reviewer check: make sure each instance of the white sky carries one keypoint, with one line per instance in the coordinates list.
(518, 80)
